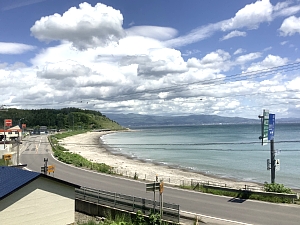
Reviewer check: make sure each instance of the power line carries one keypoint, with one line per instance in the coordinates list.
(214, 81)
(203, 83)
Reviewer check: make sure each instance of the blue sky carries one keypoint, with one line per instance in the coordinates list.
(227, 58)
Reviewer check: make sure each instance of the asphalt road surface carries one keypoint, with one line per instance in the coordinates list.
(236, 211)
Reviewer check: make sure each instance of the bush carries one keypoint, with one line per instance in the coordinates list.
(154, 219)
(279, 188)
(139, 219)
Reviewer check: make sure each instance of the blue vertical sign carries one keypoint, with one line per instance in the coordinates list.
(271, 130)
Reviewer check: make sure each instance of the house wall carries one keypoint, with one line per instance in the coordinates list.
(42, 201)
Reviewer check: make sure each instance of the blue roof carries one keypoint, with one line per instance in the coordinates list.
(11, 179)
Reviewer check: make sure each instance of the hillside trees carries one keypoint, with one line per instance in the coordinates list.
(66, 118)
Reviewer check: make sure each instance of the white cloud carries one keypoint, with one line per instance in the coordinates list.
(239, 51)
(20, 3)
(159, 33)
(85, 27)
(270, 61)
(191, 52)
(267, 49)
(62, 70)
(290, 26)
(234, 33)
(250, 16)
(293, 85)
(195, 35)
(248, 57)
(281, 5)
(140, 71)
(157, 63)
(14, 48)
(215, 61)
(285, 11)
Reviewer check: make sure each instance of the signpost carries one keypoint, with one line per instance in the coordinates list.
(7, 156)
(7, 123)
(271, 128)
(152, 186)
(51, 169)
(157, 186)
(264, 127)
(277, 165)
(267, 134)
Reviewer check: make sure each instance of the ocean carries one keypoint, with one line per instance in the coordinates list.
(226, 151)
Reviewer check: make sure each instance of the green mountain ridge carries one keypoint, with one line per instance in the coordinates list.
(138, 120)
(65, 118)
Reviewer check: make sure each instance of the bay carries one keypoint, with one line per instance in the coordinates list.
(227, 151)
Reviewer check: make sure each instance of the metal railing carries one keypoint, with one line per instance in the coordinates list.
(128, 203)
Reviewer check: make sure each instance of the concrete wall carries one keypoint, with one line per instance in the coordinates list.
(43, 201)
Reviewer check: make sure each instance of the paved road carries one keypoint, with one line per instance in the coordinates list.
(36, 148)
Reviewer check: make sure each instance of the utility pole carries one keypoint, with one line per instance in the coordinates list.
(267, 134)
(18, 149)
(272, 161)
(45, 165)
(4, 135)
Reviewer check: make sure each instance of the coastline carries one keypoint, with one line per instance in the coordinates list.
(90, 146)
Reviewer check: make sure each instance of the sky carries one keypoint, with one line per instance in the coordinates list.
(170, 57)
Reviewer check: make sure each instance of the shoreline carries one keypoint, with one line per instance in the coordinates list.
(91, 146)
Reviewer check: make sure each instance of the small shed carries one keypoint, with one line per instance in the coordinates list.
(28, 197)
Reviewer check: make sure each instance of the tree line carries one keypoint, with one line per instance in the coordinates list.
(65, 118)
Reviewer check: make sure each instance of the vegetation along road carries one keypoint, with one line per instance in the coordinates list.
(36, 148)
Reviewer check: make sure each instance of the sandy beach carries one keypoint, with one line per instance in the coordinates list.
(89, 146)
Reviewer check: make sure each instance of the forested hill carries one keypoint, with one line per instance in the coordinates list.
(66, 118)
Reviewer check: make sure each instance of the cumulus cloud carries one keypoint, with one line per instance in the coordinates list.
(269, 62)
(250, 16)
(14, 48)
(85, 27)
(159, 33)
(161, 62)
(290, 26)
(62, 70)
(139, 69)
(234, 33)
(216, 61)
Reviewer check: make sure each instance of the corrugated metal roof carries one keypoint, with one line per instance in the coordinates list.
(11, 179)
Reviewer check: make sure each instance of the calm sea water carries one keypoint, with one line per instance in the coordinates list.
(231, 151)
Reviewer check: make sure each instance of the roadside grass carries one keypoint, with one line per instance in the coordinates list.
(63, 154)
(131, 219)
(69, 133)
(243, 194)
(2, 162)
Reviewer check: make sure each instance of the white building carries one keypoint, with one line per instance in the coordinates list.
(33, 198)
(8, 138)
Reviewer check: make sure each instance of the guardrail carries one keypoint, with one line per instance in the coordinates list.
(128, 203)
(246, 187)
